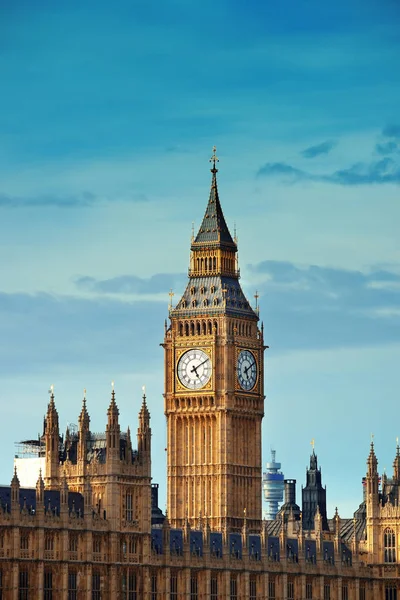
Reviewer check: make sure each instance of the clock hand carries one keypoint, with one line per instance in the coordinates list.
(203, 363)
(194, 370)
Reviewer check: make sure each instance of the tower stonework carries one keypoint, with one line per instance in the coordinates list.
(214, 382)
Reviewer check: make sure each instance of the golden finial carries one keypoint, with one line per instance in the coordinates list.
(84, 393)
(51, 390)
(256, 296)
(397, 441)
(214, 159)
(171, 295)
(144, 391)
(112, 385)
(313, 444)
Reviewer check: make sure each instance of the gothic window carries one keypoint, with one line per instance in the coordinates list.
(205, 302)
(132, 545)
(132, 586)
(96, 590)
(48, 585)
(183, 303)
(215, 301)
(209, 326)
(204, 324)
(180, 328)
(24, 541)
(154, 595)
(194, 588)
(253, 589)
(271, 589)
(290, 589)
(202, 289)
(73, 542)
(389, 539)
(212, 290)
(23, 585)
(173, 586)
(345, 591)
(327, 591)
(72, 585)
(309, 587)
(362, 590)
(49, 542)
(214, 588)
(129, 507)
(193, 303)
(233, 595)
(391, 591)
(192, 290)
(96, 544)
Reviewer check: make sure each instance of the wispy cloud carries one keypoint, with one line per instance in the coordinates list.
(386, 148)
(131, 284)
(392, 131)
(82, 200)
(318, 149)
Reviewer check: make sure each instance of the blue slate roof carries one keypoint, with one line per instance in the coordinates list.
(27, 499)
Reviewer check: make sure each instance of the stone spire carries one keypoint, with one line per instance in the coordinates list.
(396, 463)
(213, 229)
(113, 428)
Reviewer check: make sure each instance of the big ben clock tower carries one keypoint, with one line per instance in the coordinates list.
(214, 399)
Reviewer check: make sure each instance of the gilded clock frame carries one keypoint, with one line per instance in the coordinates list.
(179, 387)
(255, 353)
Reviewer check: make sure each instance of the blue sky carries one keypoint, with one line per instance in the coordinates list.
(108, 114)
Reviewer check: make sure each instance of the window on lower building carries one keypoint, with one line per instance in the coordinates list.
(309, 588)
(271, 589)
(48, 585)
(253, 589)
(233, 588)
(389, 540)
(391, 592)
(72, 585)
(24, 541)
(73, 542)
(345, 591)
(173, 587)
(132, 587)
(96, 544)
(129, 507)
(327, 591)
(290, 589)
(23, 585)
(214, 588)
(154, 586)
(362, 594)
(49, 542)
(194, 592)
(96, 589)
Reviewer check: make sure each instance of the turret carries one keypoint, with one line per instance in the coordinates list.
(52, 438)
(144, 431)
(396, 464)
(113, 432)
(40, 491)
(84, 431)
(15, 492)
(372, 482)
(314, 497)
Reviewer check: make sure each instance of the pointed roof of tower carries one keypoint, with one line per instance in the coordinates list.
(84, 415)
(372, 460)
(113, 408)
(144, 411)
(213, 229)
(396, 462)
(52, 413)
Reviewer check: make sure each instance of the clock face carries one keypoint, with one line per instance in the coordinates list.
(194, 369)
(246, 370)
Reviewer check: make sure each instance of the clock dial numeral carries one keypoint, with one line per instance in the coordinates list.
(194, 369)
(246, 370)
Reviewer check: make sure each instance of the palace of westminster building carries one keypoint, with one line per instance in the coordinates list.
(91, 529)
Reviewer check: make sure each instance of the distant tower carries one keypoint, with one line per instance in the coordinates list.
(314, 496)
(273, 484)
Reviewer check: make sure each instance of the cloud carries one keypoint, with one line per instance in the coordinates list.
(379, 172)
(283, 169)
(81, 200)
(320, 307)
(386, 148)
(131, 284)
(317, 150)
(391, 131)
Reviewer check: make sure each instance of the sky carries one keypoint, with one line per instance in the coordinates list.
(108, 115)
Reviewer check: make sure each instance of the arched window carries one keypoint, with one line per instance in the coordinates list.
(192, 290)
(205, 302)
(389, 542)
(193, 303)
(183, 303)
(215, 301)
(202, 289)
(212, 289)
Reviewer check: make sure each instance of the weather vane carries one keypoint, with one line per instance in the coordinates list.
(313, 443)
(214, 159)
(171, 295)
